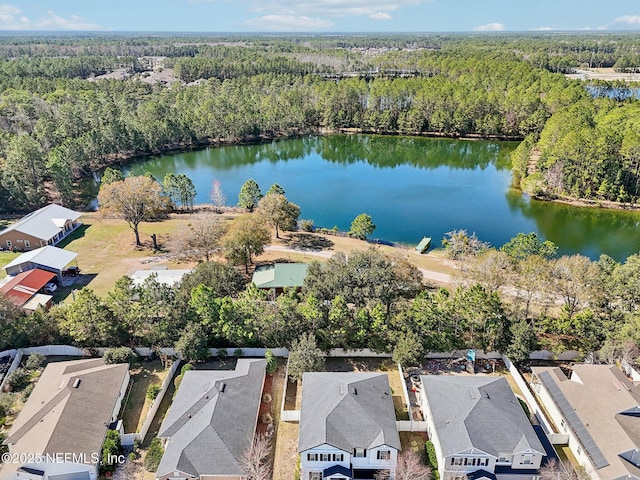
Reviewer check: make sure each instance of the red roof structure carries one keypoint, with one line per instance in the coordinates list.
(25, 285)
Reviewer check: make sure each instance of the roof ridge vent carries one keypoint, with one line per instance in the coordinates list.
(343, 388)
(76, 383)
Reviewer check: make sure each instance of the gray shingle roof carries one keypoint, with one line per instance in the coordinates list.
(347, 410)
(212, 420)
(478, 413)
(59, 418)
(45, 222)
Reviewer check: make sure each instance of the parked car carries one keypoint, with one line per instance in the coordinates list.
(50, 287)
(71, 271)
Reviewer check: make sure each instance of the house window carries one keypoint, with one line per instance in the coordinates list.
(315, 475)
(456, 462)
(384, 455)
(579, 450)
(312, 457)
(483, 462)
(9, 244)
(563, 425)
(502, 458)
(27, 244)
(325, 457)
(359, 452)
(338, 457)
(527, 459)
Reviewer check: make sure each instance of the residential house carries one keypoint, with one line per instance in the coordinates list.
(279, 276)
(169, 278)
(211, 423)
(24, 290)
(67, 415)
(46, 226)
(50, 259)
(478, 428)
(53, 470)
(347, 426)
(599, 408)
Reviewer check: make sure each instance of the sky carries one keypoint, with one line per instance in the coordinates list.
(320, 15)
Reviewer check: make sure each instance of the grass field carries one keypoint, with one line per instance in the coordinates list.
(6, 257)
(106, 250)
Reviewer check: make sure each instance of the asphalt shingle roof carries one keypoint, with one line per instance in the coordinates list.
(212, 420)
(478, 413)
(59, 418)
(347, 410)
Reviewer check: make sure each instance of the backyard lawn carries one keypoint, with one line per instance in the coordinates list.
(137, 404)
(285, 449)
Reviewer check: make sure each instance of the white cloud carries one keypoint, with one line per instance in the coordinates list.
(542, 29)
(10, 19)
(380, 16)
(490, 27)
(287, 23)
(632, 20)
(330, 8)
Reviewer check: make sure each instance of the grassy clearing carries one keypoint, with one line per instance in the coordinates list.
(7, 257)
(435, 260)
(107, 251)
(142, 375)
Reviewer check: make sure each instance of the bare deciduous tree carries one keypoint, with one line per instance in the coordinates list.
(256, 460)
(410, 467)
(204, 237)
(555, 470)
(218, 197)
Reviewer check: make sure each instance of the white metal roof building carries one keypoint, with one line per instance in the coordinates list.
(45, 226)
(51, 259)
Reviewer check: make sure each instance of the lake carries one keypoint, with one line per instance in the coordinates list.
(411, 187)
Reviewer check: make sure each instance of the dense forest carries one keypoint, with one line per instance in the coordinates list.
(63, 117)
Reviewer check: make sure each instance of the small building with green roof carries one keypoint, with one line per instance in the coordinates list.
(279, 276)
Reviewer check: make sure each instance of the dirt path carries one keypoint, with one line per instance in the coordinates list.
(427, 274)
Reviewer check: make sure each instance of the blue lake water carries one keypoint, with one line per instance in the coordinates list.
(411, 187)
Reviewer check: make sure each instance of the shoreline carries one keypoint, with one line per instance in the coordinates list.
(586, 203)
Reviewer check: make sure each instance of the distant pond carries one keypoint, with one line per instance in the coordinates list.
(412, 187)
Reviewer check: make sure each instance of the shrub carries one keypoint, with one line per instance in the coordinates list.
(306, 225)
(237, 352)
(272, 363)
(110, 449)
(432, 459)
(154, 455)
(185, 368)
(178, 381)
(35, 361)
(119, 355)
(6, 402)
(18, 379)
(153, 390)
(27, 391)
(222, 353)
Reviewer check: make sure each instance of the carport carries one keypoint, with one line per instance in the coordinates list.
(50, 259)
